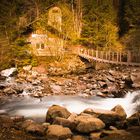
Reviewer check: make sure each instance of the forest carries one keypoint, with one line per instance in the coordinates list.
(69, 69)
(99, 24)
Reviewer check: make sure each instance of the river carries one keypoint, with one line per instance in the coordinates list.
(36, 108)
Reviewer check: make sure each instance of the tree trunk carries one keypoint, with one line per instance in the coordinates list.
(37, 8)
(78, 17)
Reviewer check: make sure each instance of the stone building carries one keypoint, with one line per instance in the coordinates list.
(55, 18)
(47, 44)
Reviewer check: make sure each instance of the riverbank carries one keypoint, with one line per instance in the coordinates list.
(60, 124)
(110, 83)
(115, 82)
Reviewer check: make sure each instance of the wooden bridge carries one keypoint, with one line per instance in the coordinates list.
(119, 58)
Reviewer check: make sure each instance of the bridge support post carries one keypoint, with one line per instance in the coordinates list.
(102, 55)
(120, 57)
(106, 55)
(109, 55)
(89, 52)
(117, 57)
(96, 54)
(92, 53)
(129, 58)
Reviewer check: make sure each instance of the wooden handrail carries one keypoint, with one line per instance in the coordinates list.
(122, 58)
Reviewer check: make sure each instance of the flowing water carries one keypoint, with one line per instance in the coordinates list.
(36, 108)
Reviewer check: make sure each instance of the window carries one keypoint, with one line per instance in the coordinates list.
(42, 46)
(55, 11)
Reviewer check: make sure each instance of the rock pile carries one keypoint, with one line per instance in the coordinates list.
(60, 124)
(105, 83)
(25, 82)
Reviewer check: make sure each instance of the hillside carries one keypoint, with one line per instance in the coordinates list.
(102, 25)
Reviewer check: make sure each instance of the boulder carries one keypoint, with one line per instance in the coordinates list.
(101, 94)
(114, 132)
(2, 78)
(134, 120)
(41, 69)
(8, 72)
(95, 135)
(122, 84)
(78, 137)
(36, 129)
(88, 115)
(110, 78)
(46, 125)
(21, 77)
(26, 123)
(56, 88)
(56, 111)
(113, 72)
(88, 111)
(135, 77)
(3, 112)
(113, 128)
(58, 132)
(102, 84)
(121, 124)
(65, 122)
(18, 89)
(128, 80)
(72, 116)
(9, 90)
(29, 78)
(18, 118)
(108, 117)
(120, 111)
(113, 89)
(27, 68)
(2, 86)
(6, 121)
(87, 124)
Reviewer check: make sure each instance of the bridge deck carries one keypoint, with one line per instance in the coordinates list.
(117, 58)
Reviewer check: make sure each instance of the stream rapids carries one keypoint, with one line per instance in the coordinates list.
(35, 108)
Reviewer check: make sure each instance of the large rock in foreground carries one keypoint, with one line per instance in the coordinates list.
(36, 129)
(65, 122)
(57, 132)
(56, 111)
(108, 117)
(78, 137)
(5, 121)
(87, 124)
(134, 120)
(119, 110)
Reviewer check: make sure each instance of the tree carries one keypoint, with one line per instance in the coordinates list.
(130, 27)
(99, 24)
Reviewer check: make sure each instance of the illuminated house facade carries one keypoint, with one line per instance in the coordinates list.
(42, 45)
(48, 44)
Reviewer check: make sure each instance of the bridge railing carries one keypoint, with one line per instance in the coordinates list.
(135, 56)
(128, 57)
